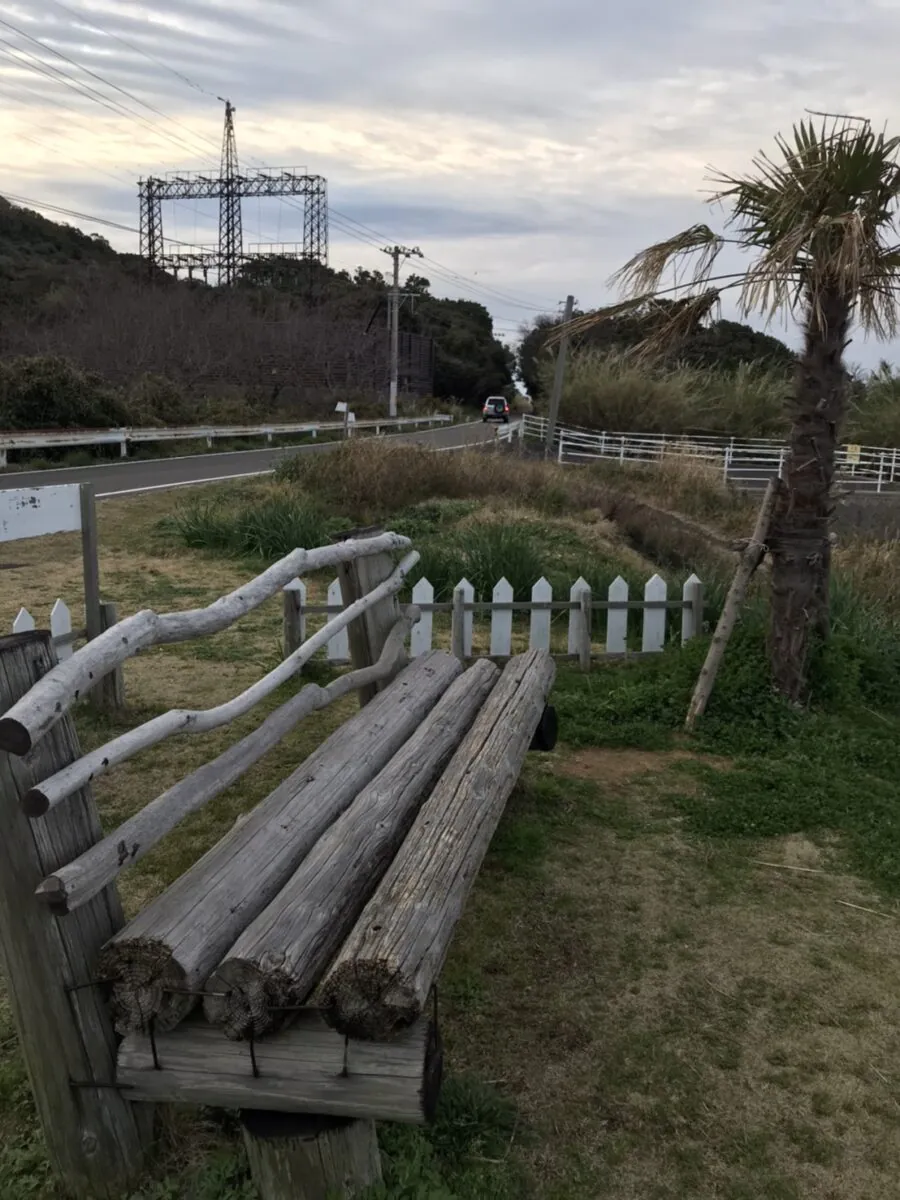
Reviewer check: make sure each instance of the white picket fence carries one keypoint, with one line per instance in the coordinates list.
(64, 636)
(654, 604)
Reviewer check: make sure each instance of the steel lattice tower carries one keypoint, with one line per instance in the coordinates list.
(229, 188)
(231, 240)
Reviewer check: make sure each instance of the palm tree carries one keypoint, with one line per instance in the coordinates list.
(819, 219)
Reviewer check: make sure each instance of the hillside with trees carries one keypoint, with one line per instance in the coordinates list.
(79, 320)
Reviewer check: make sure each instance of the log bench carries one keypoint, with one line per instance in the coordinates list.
(321, 1006)
(289, 973)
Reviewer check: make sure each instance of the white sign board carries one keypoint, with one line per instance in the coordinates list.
(36, 512)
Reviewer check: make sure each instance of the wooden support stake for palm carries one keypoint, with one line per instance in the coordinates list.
(750, 559)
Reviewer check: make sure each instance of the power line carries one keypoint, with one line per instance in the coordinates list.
(98, 28)
(25, 202)
(518, 303)
(86, 90)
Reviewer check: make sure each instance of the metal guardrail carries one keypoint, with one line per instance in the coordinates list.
(40, 439)
(742, 461)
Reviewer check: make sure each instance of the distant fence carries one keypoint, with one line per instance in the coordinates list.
(579, 609)
(745, 462)
(42, 439)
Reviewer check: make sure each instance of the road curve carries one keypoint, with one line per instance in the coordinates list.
(127, 478)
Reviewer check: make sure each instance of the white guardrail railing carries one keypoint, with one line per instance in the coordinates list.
(40, 439)
(742, 461)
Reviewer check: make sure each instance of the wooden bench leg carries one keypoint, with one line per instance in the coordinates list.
(294, 1156)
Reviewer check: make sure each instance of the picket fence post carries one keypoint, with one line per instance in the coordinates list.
(692, 613)
(575, 591)
(539, 633)
(617, 618)
(422, 632)
(654, 638)
(501, 620)
(61, 627)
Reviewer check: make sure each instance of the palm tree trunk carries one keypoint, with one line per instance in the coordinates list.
(799, 542)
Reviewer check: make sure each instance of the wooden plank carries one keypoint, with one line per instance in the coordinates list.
(654, 638)
(191, 721)
(307, 1068)
(369, 631)
(294, 616)
(278, 959)
(539, 633)
(617, 619)
(71, 886)
(310, 1158)
(161, 960)
(501, 619)
(380, 980)
(422, 632)
(90, 558)
(95, 1139)
(37, 512)
(45, 703)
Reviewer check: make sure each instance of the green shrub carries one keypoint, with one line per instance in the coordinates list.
(264, 529)
(48, 392)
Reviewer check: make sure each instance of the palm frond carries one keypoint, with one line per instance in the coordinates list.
(642, 273)
(669, 337)
(818, 218)
(610, 312)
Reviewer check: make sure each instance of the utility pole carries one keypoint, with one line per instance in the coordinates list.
(397, 253)
(558, 377)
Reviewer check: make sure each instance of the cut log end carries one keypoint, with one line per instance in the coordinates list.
(14, 737)
(149, 988)
(52, 892)
(366, 999)
(244, 1001)
(35, 803)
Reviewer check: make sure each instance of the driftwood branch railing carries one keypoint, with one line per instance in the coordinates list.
(180, 720)
(278, 927)
(37, 712)
(73, 885)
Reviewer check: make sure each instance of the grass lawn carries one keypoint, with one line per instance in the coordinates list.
(676, 975)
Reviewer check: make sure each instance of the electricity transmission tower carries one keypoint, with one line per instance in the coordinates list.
(230, 187)
(396, 253)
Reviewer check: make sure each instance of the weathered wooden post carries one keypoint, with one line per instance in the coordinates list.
(96, 1140)
(294, 617)
(109, 694)
(91, 561)
(294, 1156)
(368, 634)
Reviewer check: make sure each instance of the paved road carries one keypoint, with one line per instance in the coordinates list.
(122, 478)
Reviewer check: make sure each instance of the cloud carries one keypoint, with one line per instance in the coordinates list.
(530, 148)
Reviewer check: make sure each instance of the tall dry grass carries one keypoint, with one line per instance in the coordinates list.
(613, 392)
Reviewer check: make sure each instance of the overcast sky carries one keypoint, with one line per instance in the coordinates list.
(528, 148)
